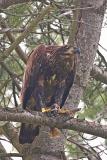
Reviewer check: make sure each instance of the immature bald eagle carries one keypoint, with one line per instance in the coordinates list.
(48, 78)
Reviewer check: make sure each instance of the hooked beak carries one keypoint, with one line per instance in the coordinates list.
(77, 50)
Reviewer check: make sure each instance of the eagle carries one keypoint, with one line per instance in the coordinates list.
(48, 78)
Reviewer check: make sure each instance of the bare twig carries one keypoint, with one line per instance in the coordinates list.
(102, 57)
(10, 155)
(89, 152)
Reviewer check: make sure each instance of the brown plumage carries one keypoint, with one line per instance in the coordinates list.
(48, 78)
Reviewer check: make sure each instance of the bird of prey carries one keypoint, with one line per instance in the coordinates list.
(48, 78)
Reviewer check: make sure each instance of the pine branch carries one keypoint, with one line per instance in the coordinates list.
(11, 38)
(26, 33)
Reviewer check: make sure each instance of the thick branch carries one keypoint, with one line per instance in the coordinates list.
(41, 119)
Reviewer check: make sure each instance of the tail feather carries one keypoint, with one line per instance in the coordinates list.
(27, 133)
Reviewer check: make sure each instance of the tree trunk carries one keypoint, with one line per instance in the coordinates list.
(87, 38)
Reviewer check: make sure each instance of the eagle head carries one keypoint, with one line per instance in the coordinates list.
(68, 52)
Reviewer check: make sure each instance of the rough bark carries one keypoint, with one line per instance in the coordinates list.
(87, 38)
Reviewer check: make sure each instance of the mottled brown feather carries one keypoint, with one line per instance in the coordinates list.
(48, 77)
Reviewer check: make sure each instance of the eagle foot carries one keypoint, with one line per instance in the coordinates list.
(54, 132)
(46, 109)
(70, 112)
(65, 111)
(55, 109)
(49, 111)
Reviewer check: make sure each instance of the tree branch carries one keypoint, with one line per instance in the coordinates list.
(29, 29)
(90, 152)
(10, 155)
(59, 122)
(102, 57)
(11, 38)
(99, 74)
(11, 133)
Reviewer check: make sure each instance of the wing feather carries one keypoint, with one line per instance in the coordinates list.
(69, 80)
(31, 75)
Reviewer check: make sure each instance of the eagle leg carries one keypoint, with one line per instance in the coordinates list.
(64, 110)
(67, 111)
(54, 132)
(55, 108)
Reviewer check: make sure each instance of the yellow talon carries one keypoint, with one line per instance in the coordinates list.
(46, 110)
(65, 111)
(68, 111)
